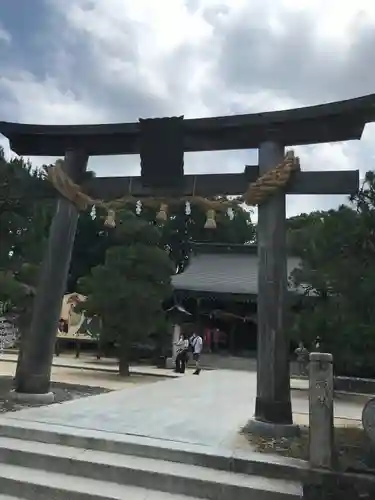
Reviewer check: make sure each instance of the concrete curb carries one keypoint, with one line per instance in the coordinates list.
(103, 370)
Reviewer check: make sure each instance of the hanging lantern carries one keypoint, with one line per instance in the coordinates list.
(138, 207)
(162, 216)
(187, 208)
(230, 213)
(210, 220)
(111, 219)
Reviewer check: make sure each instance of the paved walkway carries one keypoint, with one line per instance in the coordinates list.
(110, 365)
(207, 410)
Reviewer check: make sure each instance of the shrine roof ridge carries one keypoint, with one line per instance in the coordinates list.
(226, 270)
(335, 121)
(200, 247)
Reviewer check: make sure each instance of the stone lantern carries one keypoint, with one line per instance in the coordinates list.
(177, 315)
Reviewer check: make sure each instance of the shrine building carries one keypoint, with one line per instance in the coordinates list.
(219, 288)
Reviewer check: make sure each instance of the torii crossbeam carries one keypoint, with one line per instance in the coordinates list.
(269, 133)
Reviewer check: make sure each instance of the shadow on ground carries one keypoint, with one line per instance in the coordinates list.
(63, 393)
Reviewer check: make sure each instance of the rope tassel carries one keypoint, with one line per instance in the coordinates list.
(110, 220)
(210, 220)
(162, 215)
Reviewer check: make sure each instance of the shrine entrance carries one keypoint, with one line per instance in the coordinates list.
(161, 144)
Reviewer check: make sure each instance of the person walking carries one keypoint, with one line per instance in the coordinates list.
(318, 344)
(182, 346)
(302, 358)
(196, 344)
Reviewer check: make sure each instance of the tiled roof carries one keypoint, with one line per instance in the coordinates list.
(223, 273)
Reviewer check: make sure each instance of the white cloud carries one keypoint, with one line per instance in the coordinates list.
(45, 102)
(5, 36)
(119, 60)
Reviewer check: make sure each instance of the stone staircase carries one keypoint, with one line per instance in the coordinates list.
(49, 462)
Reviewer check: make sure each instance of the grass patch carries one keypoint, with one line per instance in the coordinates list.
(352, 447)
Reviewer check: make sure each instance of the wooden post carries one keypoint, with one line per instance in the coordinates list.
(35, 358)
(273, 411)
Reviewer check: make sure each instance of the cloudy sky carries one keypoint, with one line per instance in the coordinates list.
(97, 61)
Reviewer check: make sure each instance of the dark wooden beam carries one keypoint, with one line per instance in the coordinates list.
(228, 297)
(109, 188)
(330, 182)
(338, 121)
(223, 248)
(317, 181)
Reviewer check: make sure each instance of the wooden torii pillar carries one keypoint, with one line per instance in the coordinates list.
(273, 400)
(270, 133)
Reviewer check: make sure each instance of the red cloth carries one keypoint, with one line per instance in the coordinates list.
(207, 336)
(216, 336)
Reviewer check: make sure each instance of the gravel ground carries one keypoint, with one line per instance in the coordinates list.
(63, 393)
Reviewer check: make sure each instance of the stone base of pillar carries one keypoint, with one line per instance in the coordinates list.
(170, 363)
(272, 430)
(24, 397)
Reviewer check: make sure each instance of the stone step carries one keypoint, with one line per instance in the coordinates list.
(240, 461)
(7, 497)
(127, 470)
(35, 484)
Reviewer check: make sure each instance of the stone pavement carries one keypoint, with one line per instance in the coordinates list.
(207, 410)
(89, 371)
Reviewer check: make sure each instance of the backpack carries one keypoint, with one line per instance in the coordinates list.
(192, 344)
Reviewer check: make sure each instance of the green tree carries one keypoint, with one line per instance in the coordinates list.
(177, 234)
(23, 230)
(90, 245)
(181, 230)
(337, 272)
(14, 177)
(128, 290)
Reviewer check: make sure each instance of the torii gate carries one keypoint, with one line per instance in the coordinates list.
(161, 144)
